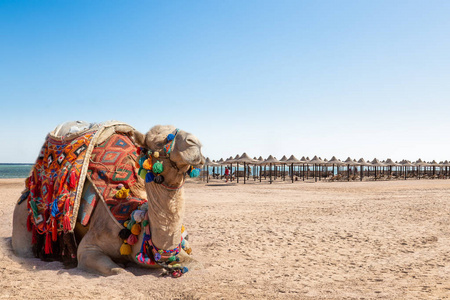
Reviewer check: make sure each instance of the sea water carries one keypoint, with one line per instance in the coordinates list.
(15, 170)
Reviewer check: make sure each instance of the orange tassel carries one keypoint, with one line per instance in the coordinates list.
(48, 244)
(29, 225)
(66, 223)
(54, 230)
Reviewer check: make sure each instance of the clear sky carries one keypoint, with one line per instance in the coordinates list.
(346, 78)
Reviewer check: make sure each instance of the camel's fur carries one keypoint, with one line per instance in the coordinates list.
(99, 248)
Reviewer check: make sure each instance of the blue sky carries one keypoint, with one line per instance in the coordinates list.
(346, 78)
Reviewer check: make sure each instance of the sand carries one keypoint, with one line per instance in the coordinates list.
(339, 240)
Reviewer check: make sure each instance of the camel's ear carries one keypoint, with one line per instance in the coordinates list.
(139, 138)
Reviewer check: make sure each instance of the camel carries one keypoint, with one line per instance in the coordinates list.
(99, 249)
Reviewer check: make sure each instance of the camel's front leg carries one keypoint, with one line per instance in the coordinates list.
(92, 258)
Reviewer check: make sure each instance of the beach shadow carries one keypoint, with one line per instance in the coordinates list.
(33, 264)
(220, 184)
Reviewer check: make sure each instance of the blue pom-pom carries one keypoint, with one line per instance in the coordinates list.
(149, 177)
(170, 137)
(184, 270)
(194, 173)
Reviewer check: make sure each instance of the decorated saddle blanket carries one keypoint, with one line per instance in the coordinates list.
(102, 153)
(56, 181)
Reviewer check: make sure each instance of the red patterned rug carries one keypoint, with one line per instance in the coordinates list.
(112, 164)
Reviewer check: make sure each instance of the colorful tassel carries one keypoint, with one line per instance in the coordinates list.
(54, 230)
(66, 223)
(48, 244)
(125, 249)
(67, 205)
(73, 179)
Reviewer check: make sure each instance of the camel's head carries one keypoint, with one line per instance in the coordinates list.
(183, 151)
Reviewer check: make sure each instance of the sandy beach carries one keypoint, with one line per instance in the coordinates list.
(388, 240)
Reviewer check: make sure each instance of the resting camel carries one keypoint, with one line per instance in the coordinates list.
(99, 249)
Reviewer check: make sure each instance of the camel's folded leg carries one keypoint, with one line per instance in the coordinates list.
(92, 258)
(21, 237)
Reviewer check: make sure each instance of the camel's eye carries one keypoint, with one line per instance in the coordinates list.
(191, 141)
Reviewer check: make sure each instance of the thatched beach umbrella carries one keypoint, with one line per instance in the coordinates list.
(334, 162)
(315, 162)
(446, 165)
(220, 162)
(389, 162)
(419, 163)
(271, 161)
(293, 161)
(245, 159)
(303, 161)
(208, 162)
(435, 165)
(283, 162)
(349, 162)
(376, 163)
(260, 162)
(406, 164)
(363, 164)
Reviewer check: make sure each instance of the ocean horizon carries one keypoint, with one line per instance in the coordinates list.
(15, 170)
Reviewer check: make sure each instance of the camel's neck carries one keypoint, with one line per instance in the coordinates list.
(165, 211)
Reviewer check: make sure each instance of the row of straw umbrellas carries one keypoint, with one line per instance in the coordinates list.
(318, 166)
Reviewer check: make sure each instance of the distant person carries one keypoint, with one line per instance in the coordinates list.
(227, 174)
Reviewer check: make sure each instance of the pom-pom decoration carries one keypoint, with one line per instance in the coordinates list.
(158, 167)
(130, 224)
(170, 137)
(122, 193)
(144, 206)
(141, 161)
(132, 239)
(124, 233)
(138, 215)
(156, 154)
(136, 229)
(194, 173)
(125, 249)
(149, 177)
(159, 179)
(143, 173)
(147, 164)
(157, 256)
